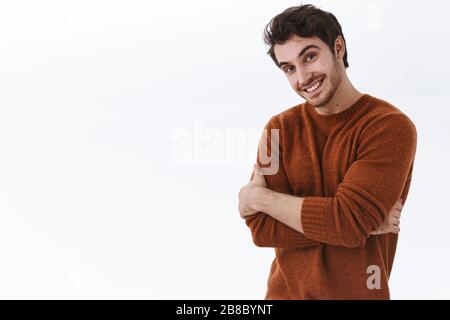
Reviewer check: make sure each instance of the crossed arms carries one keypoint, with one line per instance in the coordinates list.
(361, 206)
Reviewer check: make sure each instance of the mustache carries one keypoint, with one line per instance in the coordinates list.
(303, 87)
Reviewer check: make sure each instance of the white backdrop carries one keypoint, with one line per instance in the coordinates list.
(128, 127)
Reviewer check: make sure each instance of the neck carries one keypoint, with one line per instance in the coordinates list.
(344, 97)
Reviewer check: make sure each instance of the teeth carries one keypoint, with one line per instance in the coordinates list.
(314, 87)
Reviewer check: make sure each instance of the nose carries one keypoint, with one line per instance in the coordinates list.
(303, 78)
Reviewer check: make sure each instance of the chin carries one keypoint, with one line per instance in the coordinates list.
(322, 99)
(317, 101)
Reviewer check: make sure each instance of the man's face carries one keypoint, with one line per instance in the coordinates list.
(311, 68)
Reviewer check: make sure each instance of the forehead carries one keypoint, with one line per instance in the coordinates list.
(289, 50)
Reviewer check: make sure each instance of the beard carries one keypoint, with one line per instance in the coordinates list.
(334, 80)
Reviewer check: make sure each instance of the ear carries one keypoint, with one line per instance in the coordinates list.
(339, 47)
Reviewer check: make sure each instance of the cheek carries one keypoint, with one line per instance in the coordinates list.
(324, 67)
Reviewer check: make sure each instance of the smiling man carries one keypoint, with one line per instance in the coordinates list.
(344, 163)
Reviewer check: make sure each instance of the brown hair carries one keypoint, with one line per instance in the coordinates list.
(305, 21)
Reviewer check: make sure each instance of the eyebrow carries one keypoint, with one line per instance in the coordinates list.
(300, 54)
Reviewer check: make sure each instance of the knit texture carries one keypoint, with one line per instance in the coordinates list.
(351, 167)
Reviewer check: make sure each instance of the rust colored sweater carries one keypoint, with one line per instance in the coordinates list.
(351, 167)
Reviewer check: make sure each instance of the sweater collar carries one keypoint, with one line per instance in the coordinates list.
(337, 117)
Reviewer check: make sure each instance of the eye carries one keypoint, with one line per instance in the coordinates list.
(310, 56)
(288, 69)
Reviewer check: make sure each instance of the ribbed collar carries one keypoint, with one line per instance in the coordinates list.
(338, 117)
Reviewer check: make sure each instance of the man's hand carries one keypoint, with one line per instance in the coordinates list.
(245, 194)
(392, 223)
(257, 177)
(258, 182)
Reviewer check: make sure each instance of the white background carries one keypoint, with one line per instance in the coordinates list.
(97, 98)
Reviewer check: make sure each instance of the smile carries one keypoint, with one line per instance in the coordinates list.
(316, 85)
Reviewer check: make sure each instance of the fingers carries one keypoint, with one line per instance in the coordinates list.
(395, 213)
(397, 209)
(390, 229)
(245, 210)
(392, 223)
(399, 204)
(395, 221)
(394, 217)
(257, 176)
(395, 230)
(256, 173)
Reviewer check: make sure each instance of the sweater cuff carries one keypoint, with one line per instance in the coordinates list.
(314, 218)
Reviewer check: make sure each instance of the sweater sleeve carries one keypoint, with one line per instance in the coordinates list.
(380, 175)
(267, 231)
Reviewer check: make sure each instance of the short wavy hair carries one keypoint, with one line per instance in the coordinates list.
(305, 21)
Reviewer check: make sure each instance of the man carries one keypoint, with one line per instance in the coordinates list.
(340, 168)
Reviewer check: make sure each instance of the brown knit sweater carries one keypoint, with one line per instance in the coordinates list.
(351, 167)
